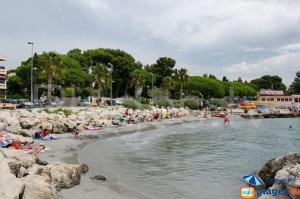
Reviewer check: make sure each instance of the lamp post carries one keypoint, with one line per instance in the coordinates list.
(111, 83)
(152, 87)
(31, 76)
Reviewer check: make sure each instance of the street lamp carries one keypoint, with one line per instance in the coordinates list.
(111, 73)
(31, 76)
(152, 87)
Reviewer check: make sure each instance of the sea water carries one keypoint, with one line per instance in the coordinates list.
(202, 159)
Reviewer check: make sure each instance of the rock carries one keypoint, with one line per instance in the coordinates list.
(10, 186)
(21, 138)
(63, 175)
(99, 177)
(27, 122)
(59, 127)
(47, 125)
(36, 187)
(84, 168)
(41, 162)
(14, 128)
(26, 132)
(26, 160)
(22, 172)
(14, 165)
(270, 169)
(3, 126)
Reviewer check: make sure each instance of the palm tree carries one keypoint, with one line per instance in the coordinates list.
(182, 77)
(52, 68)
(100, 73)
(167, 84)
(138, 79)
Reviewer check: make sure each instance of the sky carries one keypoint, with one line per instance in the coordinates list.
(233, 38)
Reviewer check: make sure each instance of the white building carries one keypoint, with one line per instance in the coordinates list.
(2, 79)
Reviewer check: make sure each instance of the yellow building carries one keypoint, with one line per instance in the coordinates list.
(2, 79)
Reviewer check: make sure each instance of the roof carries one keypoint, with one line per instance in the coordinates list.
(2, 58)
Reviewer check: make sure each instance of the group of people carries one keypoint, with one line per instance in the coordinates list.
(44, 134)
(7, 142)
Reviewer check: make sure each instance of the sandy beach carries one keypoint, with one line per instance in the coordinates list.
(67, 150)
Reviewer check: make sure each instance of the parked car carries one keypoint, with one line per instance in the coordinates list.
(111, 102)
(84, 103)
(24, 103)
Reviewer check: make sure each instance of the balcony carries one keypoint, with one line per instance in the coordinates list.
(2, 86)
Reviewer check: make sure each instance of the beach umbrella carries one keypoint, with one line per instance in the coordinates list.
(253, 180)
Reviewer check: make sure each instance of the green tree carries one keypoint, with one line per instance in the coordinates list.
(168, 83)
(295, 87)
(138, 79)
(52, 68)
(269, 82)
(101, 77)
(224, 79)
(182, 77)
(164, 67)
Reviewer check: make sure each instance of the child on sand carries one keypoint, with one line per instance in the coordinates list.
(76, 132)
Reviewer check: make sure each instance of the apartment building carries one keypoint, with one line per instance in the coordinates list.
(2, 78)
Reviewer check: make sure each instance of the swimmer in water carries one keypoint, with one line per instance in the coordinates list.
(226, 119)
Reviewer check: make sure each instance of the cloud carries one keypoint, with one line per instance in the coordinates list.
(283, 65)
(97, 6)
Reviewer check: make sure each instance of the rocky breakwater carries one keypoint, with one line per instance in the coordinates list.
(282, 173)
(25, 176)
(26, 122)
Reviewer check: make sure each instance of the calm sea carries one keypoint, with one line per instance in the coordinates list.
(203, 159)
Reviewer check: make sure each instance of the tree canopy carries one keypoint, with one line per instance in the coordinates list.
(269, 82)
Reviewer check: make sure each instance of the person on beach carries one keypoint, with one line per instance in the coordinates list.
(36, 149)
(76, 132)
(226, 119)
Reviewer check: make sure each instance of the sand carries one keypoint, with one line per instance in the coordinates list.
(66, 149)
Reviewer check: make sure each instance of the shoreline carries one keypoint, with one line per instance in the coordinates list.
(67, 150)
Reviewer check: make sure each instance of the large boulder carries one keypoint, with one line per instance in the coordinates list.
(24, 114)
(270, 169)
(26, 160)
(28, 122)
(36, 187)
(63, 175)
(59, 127)
(47, 125)
(10, 186)
(21, 138)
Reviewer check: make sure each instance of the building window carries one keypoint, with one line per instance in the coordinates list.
(272, 99)
(286, 99)
(263, 99)
(290, 99)
(296, 100)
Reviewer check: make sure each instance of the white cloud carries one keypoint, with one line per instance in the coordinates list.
(96, 6)
(285, 64)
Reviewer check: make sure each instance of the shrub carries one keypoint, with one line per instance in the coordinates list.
(191, 104)
(213, 108)
(129, 103)
(218, 103)
(67, 112)
(176, 103)
(69, 92)
(144, 100)
(163, 103)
